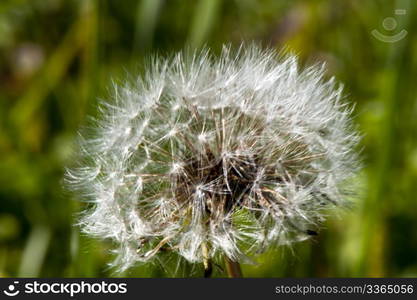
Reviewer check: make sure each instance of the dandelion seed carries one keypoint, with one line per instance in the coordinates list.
(216, 157)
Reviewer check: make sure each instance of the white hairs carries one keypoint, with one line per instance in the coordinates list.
(233, 153)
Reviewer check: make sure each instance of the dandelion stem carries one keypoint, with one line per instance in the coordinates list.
(233, 268)
(208, 268)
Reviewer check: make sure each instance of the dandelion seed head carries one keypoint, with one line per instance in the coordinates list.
(237, 153)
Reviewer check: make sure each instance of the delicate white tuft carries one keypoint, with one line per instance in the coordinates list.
(234, 154)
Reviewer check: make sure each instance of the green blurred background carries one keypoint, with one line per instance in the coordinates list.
(57, 57)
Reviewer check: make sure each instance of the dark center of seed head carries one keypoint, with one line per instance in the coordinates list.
(223, 182)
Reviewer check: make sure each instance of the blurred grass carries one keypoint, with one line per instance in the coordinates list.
(57, 57)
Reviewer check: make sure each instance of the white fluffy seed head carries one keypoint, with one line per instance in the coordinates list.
(234, 154)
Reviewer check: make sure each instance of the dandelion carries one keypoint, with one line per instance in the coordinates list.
(211, 157)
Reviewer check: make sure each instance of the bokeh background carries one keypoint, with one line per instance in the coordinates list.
(57, 57)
